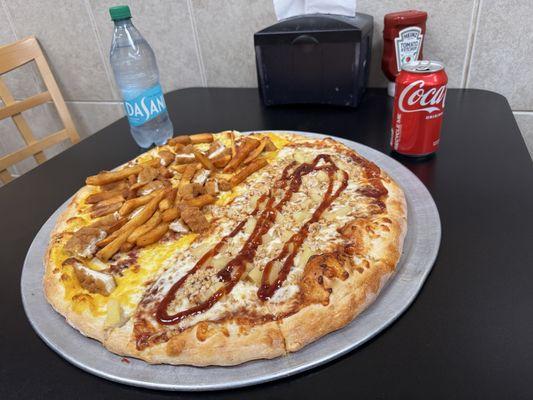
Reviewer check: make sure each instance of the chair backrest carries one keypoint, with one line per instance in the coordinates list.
(15, 55)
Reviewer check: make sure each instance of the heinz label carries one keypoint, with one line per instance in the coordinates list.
(408, 45)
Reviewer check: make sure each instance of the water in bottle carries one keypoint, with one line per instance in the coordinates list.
(137, 76)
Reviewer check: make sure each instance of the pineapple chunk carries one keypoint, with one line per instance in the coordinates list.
(201, 249)
(220, 261)
(302, 157)
(316, 197)
(248, 267)
(299, 156)
(286, 235)
(307, 203)
(253, 201)
(115, 315)
(341, 212)
(304, 256)
(339, 175)
(255, 275)
(322, 176)
(249, 226)
(302, 216)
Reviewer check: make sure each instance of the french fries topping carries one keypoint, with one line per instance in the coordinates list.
(132, 204)
(168, 200)
(105, 210)
(247, 171)
(137, 205)
(181, 140)
(119, 198)
(243, 151)
(154, 235)
(107, 177)
(203, 159)
(145, 228)
(255, 153)
(170, 215)
(104, 195)
(221, 162)
(201, 138)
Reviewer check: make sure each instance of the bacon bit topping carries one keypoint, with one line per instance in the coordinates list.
(129, 262)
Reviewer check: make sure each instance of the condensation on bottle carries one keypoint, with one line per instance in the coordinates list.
(137, 76)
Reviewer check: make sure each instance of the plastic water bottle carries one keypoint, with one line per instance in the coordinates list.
(137, 76)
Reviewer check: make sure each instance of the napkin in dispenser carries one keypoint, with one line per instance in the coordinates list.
(290, 8)
(314, 58)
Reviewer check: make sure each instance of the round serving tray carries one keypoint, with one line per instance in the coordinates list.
(420, 250)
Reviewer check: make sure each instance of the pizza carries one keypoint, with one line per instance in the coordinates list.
(217, 249)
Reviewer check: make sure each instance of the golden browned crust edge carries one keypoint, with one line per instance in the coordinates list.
(259, 342)
(346, 302)
(54, 290)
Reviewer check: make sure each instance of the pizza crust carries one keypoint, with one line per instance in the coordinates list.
(54, 290)
(225, 345)
(346, 302)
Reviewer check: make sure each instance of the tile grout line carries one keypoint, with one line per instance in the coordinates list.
(17, 37)
(99, 46)
(203, 73)
(9, 19)
(474, 24)
(15, 171)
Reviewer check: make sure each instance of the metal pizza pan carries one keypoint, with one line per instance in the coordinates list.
(420, 250)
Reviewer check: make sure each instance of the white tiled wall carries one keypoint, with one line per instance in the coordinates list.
(484, 44)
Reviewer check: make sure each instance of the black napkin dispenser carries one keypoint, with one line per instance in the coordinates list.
(316, 58)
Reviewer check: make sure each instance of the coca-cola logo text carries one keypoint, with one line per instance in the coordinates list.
(414, 98)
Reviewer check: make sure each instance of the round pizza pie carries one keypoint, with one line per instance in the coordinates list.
(217, 249)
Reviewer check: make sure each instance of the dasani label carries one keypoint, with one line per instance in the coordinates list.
(146, 106)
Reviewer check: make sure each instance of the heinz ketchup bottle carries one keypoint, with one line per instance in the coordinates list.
(403, 36)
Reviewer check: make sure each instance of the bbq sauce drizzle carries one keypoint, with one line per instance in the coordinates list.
(266, 211)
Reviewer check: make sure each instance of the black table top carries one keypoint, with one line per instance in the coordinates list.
(469, 333)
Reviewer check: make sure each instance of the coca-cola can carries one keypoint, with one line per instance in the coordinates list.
(418, 108)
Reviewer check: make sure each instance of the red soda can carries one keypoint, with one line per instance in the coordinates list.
(418, 108)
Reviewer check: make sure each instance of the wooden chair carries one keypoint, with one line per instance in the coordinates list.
(15, 55)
